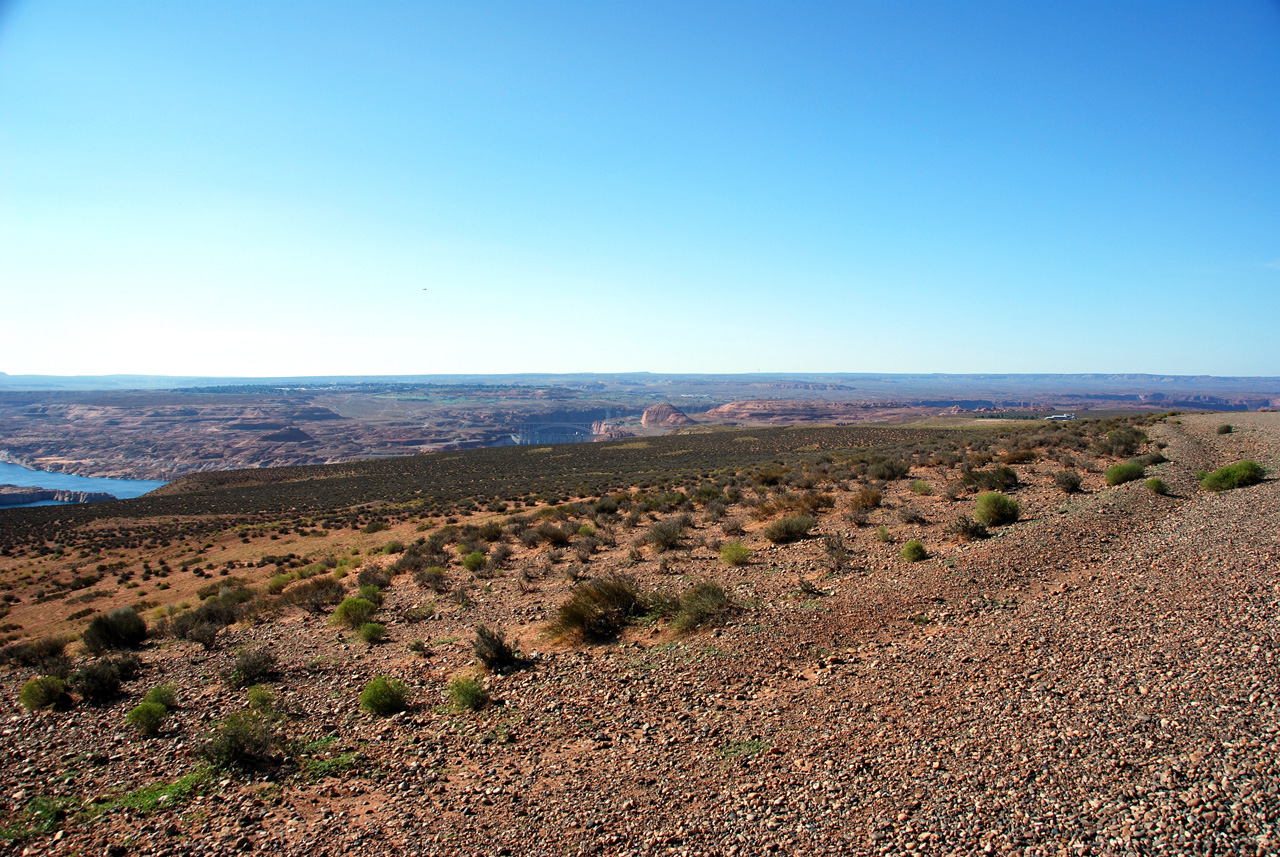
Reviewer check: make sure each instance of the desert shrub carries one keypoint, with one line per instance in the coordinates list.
(665, 535)
(127, 666)
(163, 694)
(913, 551)
(1225, 428)
(122, 628)
(735, 553)
(467, 693)
(97, 681)
(1121, 442)
(146, 718)
(33, 653)
(866, 499)
(1118, 474)
(251, 666)
(44, 692)
(372, 632)
(1068, 481)
(353, 612)
(996, 479)
(701, 604)
(433, 577)
(731, 527)
(790, 528)
(1018, 456)
(204, 633)
(887, 469)
(598, 609)
(833, 547)
(883, 535)
(314, 595)
(493, 650)
(1156, 486)
(553, 535)
(372, 575)
(995, 509)
(245, 739)
(375, 527)
(384, 696)
(924, 489)
(500, 555)
(474, 561)
(393, 546)
(1238, 475)
(911, 515)
(966, 529)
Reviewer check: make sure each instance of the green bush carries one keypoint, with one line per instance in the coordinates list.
(122, 628)
(1119, 474)
(251, 666)
(790, 528)
(467, 693)
(372, 632)
(261, 699)
(1238, 475)
(924, 489)
(147, 718)
(1156, 486)
(701, 604)
(913, 551)
(493, 650)
(1225, 428)
(44, 692)
(995, 509)
(384, 696)
(372, 594)
(353, 612)
(883, 535)
(1068, 481)
(598, 609)
(245, 739)
(33, 653)
(735, 553)
(474, 561)
(98, 681)
(163, 694)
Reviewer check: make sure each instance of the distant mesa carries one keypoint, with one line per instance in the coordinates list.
(293, 434)
(663, 415)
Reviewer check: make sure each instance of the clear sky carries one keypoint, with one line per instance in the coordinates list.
(272, 188)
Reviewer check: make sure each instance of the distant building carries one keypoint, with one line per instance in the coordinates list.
(1061, 417)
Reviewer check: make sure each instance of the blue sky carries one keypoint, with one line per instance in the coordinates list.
(264, 188)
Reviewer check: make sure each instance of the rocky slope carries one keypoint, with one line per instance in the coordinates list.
(1098, 678)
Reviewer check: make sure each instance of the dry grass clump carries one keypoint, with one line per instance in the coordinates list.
(790, 528)
(598, 609)
(701, 604)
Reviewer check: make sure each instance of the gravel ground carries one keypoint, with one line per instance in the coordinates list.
(1099, 679)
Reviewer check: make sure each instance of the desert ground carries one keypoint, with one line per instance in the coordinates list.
(1098, 677)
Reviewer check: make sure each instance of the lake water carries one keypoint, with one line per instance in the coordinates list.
(13, 474)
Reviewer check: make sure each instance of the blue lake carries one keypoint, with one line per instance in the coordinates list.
(13, 474)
